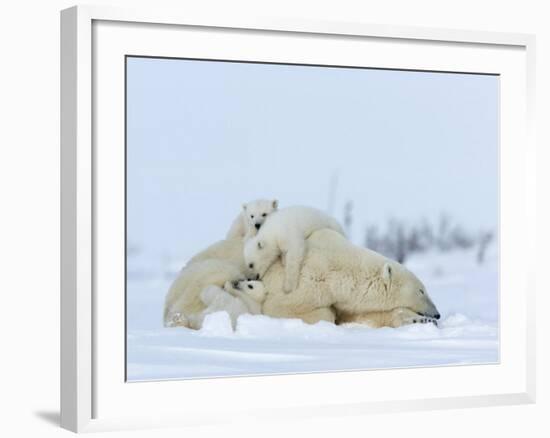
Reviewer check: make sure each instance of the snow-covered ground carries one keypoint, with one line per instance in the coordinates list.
(465, 293)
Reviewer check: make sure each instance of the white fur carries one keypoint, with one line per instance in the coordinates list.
(183, 298)
(208, 286)
(283, 234)
(227, 250)
(392, 318)
(342, 282)
(339, 282)
(251, 218)
(236, 300)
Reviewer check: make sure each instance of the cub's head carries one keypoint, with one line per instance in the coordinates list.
(254, 288)
(256, 212)
(404, 289)
(259, 256)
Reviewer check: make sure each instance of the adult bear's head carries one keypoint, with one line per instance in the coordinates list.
(404, 289)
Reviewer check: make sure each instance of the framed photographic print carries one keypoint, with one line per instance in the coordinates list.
(252, 205)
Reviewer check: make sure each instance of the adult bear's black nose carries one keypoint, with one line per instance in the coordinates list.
(437, 316)
(257, 226)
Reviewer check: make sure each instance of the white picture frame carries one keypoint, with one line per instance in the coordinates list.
(93, 391)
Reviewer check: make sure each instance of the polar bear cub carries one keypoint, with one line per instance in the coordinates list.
(235, 298)
(251, 218)
(283, 235)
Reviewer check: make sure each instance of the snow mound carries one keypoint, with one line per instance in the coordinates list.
(217, 324)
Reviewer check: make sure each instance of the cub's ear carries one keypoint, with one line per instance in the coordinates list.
(387, 273)
(275, 204)
(260, 244)
(244, 206)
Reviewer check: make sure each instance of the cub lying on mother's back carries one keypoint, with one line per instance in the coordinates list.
(283, 234)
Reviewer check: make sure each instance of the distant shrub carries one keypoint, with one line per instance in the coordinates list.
(399, 240)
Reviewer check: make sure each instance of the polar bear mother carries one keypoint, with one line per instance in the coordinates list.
(342, 282)
(339, 282)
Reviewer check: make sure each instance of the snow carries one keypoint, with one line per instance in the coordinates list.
(465, 293)
(190, 138)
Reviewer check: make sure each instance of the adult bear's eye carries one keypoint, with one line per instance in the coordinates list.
(264, 215)
(250, 286)
(251, 216)
(251, 265)
(421, 291)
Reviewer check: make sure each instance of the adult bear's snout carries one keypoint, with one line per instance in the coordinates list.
(257, 226)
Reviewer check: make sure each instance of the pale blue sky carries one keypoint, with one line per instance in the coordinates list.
(204, 137)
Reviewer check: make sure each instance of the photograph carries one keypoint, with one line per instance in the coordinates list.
(298, 218)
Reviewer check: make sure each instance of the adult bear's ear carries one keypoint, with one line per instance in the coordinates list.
(244, 207)
(387, 273)
(260, 244)
(275, 204)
